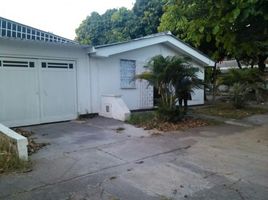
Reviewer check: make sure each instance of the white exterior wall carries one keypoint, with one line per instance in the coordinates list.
(26, 49)
(105, 76)
(95, 76)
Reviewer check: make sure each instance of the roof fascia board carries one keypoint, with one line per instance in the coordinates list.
(132, 45)
(190, 51)
(128, 46)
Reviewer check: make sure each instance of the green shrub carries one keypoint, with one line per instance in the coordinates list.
(251, 80)
(169, 114)
(239, 95)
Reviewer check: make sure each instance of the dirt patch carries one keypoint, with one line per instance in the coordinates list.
(150, 121)
(184, 124)
(33, 146)
(226, 110)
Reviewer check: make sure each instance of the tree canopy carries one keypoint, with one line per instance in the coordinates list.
(117, 25)
(148, 14)
(233, 28)
(113, 26)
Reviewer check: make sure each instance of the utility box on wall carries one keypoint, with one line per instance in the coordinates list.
(113, 106)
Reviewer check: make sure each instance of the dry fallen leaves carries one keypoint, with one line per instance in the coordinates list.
(32, 145)
(169, 126)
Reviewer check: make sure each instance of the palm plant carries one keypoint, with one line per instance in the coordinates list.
(173, 77)
(251, 78)
(184, 80)
(239, 93)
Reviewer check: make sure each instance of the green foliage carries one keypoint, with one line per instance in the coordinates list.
(250, 80)
(113, 26)
(148, 15)
(243, 76)
(117, 25)
(239, 94)
(174, 78)
(210, 76)
(141, 118)
(227, 110)
(232, 28)
(169, 114)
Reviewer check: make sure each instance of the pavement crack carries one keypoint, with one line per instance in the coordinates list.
(165, 152)
(95, 172)
(115, 156)
(236, 190)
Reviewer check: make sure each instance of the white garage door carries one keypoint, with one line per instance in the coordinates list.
(36, 91)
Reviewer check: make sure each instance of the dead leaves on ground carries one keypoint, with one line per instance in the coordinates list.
(184, 124)
(33, 146)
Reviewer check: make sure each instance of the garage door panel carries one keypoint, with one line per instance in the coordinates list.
(58, 91)
(19, 100)
(32, 93)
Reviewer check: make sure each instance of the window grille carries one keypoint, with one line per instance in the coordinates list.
(16, 63)
(127, 73)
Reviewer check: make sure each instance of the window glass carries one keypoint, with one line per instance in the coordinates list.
(14, 27)
(8, 33)
(31, 64)
(44, 65)
(4, 25)
(8, 25)
(127, 73)
(13, 34)
(3, 32)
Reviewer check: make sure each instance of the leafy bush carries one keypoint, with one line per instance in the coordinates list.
(170, 114)
(239, 95)
(250, 80)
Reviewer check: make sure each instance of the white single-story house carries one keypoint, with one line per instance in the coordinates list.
(47, 78)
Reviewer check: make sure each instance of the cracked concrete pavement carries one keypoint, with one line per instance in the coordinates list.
(91, 160)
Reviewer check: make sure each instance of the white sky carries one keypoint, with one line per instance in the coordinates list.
(60, 17)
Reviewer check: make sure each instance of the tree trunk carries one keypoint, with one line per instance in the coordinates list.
(252, 64)
(185, 101)
(214, 77)
(238, 63)
(261, 63)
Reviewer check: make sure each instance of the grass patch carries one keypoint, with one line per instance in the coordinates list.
(149, 120)
(226, 110)
(9, 161)
(141, 118)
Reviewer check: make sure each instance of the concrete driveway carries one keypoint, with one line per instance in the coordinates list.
(92, 160)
